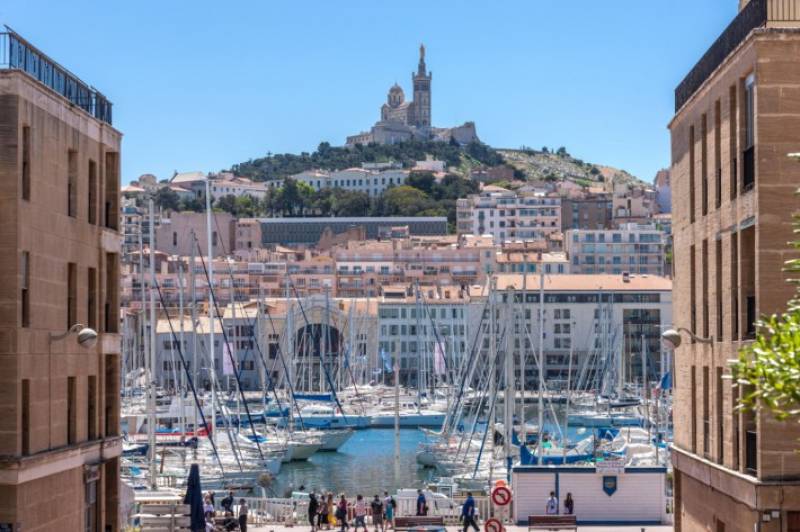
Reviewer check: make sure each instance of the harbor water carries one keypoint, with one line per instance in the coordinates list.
(365, 464)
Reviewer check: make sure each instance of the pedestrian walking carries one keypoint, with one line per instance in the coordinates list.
(422, 503)
(361, 513)
(313, 506)
(388, 510)
(322, 512)
(341, 513)
(569, 505)
(331, 511)
(227, 502)
(468, 513)
(552, 504)
(244, 510)
(377, 513)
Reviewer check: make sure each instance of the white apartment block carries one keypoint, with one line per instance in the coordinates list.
(632, 248)
(508, 216)
(371, 182)
(598, 321)
(409, 329)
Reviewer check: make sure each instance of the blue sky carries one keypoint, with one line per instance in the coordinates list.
(199, 86)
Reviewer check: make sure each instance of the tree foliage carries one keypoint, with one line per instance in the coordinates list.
(769, 368)
(327, 157)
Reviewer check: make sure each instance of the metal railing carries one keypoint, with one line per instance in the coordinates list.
(753, 15)
(18, 54)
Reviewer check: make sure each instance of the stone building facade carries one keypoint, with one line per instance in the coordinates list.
(60, 166)
(737, 118)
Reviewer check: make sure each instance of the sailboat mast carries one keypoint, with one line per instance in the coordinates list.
(211, 312)
(181, 374)
(541, 366)
(151, 395)
(194, 325)
(508, 420)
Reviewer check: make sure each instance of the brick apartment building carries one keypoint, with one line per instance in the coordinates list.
(737, 116)
(60, 164)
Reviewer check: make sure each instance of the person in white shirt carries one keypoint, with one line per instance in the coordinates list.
(552, 504)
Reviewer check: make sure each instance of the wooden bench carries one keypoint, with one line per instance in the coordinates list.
(412, 521)
(164, 517)
(552, 522)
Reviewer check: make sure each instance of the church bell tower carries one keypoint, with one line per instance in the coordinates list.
(422, 92)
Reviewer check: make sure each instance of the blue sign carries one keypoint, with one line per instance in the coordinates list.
(610, 485)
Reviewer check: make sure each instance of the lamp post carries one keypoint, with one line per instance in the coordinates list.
(671, 338)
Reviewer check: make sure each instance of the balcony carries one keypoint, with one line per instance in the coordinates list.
(18, 54)
(754, 15)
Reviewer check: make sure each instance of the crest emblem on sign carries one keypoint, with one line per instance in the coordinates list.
(609, 485)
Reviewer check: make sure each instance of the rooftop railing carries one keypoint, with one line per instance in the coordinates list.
(18, 54)
(753, 15)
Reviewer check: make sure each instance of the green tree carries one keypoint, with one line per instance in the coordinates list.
(769, 368)
(227, 203)
(423, 181)
(167, 199)
(405, 201)
(350, 203)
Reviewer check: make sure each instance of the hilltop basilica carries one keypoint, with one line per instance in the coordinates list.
(402, 120)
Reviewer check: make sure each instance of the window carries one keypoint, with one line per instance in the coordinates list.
(26, 416)
(733, 121)
(91, 299)
(175, 238)
(705, 288)
(111, 309)
(734, 286)
(72, 293)
(111, 394)
(706, 391)
(704, 164)
(72, 406)
(718, 287)
(111, 211)
(717, 154)
(691, 174)
(748, 157)
(72, 183)
(25, 282)
(92, 207)
(720, 430)
(91, 408)
(692, 292)
(693, 391)
(26, 163)
(214, 239)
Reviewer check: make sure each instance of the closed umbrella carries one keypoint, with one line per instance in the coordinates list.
(194, 498)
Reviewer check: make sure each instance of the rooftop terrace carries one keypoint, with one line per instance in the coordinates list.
(18, 54)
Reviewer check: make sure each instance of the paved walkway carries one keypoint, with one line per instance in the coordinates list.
(650, 528)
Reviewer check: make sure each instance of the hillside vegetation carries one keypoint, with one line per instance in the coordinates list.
(559, 165)
(327, 157)
(528, 164)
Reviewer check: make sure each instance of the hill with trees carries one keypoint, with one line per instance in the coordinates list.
(327, 157)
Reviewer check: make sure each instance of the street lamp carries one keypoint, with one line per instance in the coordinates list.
(671, 338)
(87, 338)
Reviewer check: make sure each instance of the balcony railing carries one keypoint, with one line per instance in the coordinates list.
(18, 54)
(752, 16)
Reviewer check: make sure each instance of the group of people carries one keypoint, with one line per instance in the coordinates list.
(231, 521)
(552, 504)
(324, 513)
